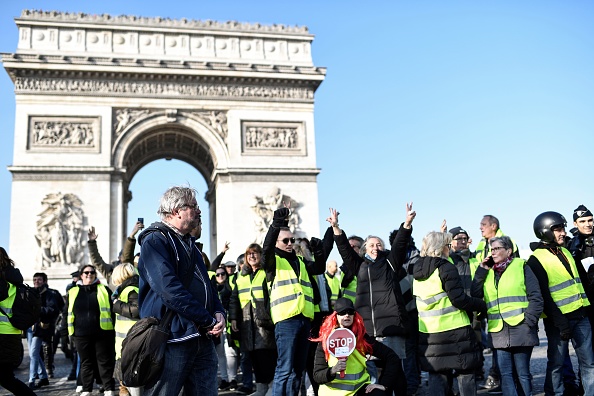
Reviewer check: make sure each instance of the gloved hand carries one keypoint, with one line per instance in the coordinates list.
(280, 218)
(565, 334)
(315, 244)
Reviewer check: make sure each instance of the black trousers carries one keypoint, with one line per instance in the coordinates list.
(97, 349)
(264, 364)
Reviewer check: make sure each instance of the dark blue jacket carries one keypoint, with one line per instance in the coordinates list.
(164, 261)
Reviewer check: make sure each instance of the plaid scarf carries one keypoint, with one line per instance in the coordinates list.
(499, 268)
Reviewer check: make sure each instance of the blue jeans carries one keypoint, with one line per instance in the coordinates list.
(36, 365)
(518, 357)
(581, 339)
(291, 337)
(190, 364)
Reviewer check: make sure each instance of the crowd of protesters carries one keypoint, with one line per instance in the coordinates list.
(269, 315)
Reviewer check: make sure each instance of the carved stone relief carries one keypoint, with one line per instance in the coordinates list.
(125, 117)
(68, 86)
(264, 207)
(217, 120)
(76, 133)
(272, 138)
(60, 231)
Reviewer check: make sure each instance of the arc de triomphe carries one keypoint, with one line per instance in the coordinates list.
(98, 97)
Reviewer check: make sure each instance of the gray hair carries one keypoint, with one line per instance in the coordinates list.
(505, 241)
(364, 247)
(434, 242)
(175, 198)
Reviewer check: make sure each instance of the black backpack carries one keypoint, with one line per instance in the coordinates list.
(26, 307)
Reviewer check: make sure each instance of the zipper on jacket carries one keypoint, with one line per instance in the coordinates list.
(371, 302)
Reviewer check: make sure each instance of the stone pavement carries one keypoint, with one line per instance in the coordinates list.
(59, 386)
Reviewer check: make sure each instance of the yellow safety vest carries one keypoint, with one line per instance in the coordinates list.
(350, 291)
(5, 326)
(334, 283)
(436, 312)
(566, 289)
(290, 296)
(355, 376)
(250, 291)
(105, 321)
(480, 248)
(507, 301)
(123, 324)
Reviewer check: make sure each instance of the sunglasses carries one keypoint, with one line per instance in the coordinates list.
(89, 272)
(286, 240)
(221, 274)
(350, 312)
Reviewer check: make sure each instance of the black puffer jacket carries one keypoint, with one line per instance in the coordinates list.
(379, 297)
(456, 349)
(252, 335)
(127, 309)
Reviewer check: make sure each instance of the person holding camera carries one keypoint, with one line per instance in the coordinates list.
(514, 304)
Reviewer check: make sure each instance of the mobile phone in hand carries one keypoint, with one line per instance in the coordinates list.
(490, 262)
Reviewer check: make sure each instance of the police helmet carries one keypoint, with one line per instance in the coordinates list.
(544, 223)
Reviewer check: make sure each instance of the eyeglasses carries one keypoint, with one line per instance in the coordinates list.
(287, 240)
(89, 272)
(449, 245)
(496, 248)
(194, 207)
(253, 254)
(221, 274)
(350, 312)
(461, 239)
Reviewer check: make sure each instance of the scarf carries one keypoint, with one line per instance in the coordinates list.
(499, 268)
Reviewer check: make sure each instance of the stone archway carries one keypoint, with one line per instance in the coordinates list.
(98, 97)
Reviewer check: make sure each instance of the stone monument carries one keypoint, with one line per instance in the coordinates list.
(98, 97)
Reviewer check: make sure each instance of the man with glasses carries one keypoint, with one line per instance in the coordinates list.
(291, 300)
(173, 276)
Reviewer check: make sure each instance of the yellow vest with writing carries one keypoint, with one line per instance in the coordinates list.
(436, 312)
(105, 321)
(123, 324)
(5, 326)
(507, 301)
(289, 295)
(566, 289)
(355, 376)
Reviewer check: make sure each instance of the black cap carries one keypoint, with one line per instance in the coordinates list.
(75, 274)
(581, 211)
(458, 230)
(343, 303)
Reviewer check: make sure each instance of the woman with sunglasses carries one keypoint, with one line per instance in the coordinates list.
(446, 339)
(514, 304)
(90, 324)
(356, 380)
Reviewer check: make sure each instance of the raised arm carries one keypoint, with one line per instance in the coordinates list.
(130, 244)
(280, 219)
(96, 259)
(217, 261)
(352, 261)
(399, 247)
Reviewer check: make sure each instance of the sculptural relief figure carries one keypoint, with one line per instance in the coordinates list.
(59, 231)
(264, 208)
(62, 133)
(125, 117)
(267, 137)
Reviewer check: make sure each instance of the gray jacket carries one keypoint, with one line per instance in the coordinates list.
(525, 333)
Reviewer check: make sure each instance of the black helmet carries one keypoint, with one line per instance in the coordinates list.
(544, 223)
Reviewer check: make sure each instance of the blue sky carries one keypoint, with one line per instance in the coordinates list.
(465, 108)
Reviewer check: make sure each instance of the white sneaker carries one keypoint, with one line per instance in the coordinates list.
(85, 394)
(108, 393)
(79, 389)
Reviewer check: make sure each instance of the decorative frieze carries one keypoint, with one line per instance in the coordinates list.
(273, 138)
(217, 120)
(51, 133)
(66, 86)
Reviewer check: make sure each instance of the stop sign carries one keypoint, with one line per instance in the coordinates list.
(341, 343)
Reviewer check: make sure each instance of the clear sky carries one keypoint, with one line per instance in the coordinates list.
(465, 108)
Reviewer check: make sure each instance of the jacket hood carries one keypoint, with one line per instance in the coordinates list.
(155, 227)
(426, 266)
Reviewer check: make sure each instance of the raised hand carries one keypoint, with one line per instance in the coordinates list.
(444, 226)
(410, 215)
(91, 234)
(333, 218)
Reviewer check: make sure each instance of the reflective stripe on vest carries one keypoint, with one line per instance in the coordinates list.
(355, 376)
(334, 283)
(123, 324)
(250, 290)
(566, 289)
(105, 321)
(436, 312)
(350, 291)
(5, 326)
(507, 301)
(290, 296)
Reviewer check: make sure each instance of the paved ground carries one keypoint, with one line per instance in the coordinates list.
(59, 386)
